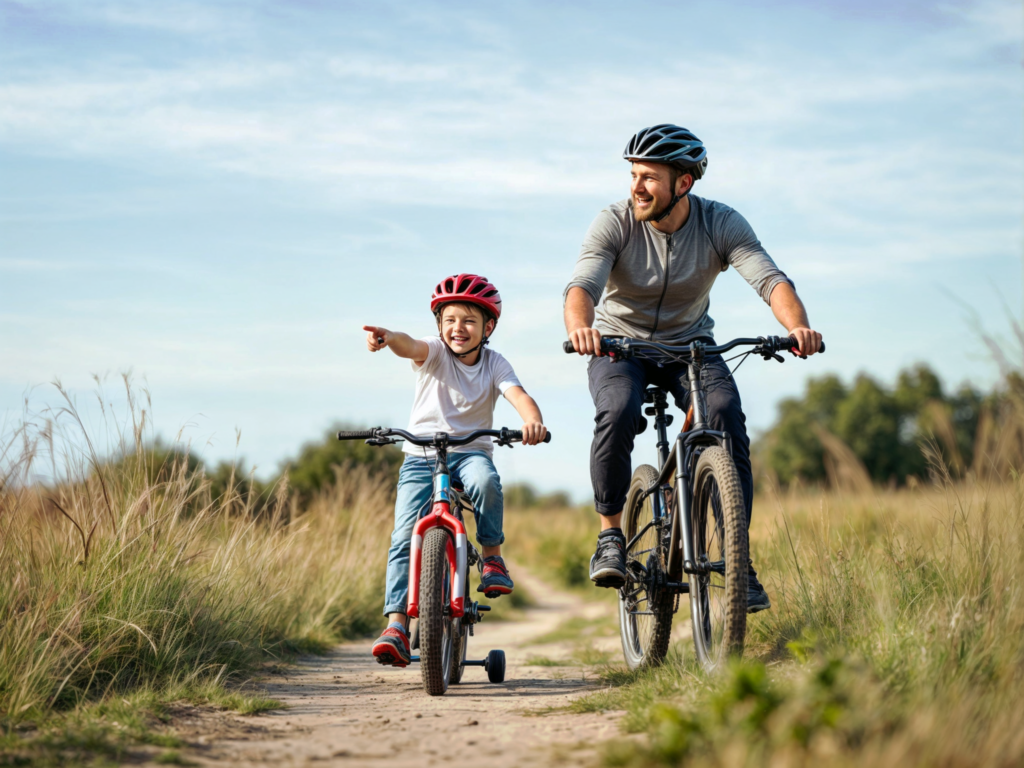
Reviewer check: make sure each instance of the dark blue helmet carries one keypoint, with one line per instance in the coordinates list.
(670, 144)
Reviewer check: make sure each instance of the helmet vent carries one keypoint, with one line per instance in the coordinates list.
(449, 286)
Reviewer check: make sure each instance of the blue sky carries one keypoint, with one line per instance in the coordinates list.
(216, 196)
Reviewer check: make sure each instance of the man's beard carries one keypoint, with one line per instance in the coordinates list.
(653, 211)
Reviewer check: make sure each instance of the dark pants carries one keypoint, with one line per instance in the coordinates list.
(618, 392)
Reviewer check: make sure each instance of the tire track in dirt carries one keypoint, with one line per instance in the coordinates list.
(345, 709)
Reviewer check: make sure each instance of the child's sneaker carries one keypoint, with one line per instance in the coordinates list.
(392, 647)
(495, 580)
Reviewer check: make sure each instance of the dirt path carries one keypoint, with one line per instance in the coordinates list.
(344, 709)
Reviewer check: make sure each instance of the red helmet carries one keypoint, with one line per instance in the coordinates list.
(472, 289)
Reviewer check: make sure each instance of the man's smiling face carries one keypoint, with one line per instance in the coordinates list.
(651, 188)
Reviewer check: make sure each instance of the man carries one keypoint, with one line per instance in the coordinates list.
(645, 270)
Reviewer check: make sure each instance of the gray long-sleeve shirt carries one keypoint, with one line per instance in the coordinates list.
(650, 285)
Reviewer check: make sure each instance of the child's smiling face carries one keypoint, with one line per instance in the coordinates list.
(463, 327)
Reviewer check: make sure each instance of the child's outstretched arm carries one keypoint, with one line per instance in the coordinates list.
(402, 344)
(533, 423)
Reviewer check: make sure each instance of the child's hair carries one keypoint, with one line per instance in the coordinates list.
(465, 305)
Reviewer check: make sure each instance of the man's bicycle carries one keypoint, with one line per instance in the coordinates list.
(685, 522)
(439, 564)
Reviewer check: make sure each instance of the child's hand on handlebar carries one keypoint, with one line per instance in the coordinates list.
(377, 338)
(533, 433)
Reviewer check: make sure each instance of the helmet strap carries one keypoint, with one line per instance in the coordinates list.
(483, 343)
(675, 198)
(668, 208)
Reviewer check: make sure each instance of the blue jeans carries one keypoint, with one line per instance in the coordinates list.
(478, 476)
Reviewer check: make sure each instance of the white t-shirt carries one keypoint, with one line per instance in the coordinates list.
(457, 398)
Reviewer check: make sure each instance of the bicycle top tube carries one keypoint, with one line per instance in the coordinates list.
(624, 346)
(386, 435)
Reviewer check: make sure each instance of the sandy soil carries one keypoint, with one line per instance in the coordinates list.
(345, 709)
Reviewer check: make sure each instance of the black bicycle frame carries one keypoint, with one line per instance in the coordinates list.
(676, 468)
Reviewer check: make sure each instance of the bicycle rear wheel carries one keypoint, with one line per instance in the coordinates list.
(718, 595)
(645, 608)
(435, 621)
(460, 644)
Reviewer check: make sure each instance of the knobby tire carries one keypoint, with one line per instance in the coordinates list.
(718, 599)
(434, 623)
(645, 638)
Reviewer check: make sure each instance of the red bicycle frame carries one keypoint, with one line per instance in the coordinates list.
(440, 516)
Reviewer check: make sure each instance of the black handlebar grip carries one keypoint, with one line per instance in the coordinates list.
(362, 434)
(790, 343)
(517, 434)
(568, 348)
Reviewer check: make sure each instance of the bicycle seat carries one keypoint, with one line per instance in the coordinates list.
(651, 394)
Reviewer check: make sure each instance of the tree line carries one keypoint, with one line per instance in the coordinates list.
(869, 432)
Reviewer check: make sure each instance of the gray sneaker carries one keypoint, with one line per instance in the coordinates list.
(757, 598)
(608, 565)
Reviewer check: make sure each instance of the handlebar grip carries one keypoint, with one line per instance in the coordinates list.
(362, 434)
(568, 348)
(790, 343)
(517, 434)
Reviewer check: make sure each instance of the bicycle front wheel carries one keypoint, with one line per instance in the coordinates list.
(435, 622)
(645, 606)
(718, 593)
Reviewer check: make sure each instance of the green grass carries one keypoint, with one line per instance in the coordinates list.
(544, 661)
(122, 581)
(577, 629)
(894, 639)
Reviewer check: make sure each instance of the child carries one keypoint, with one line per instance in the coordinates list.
(458, 381)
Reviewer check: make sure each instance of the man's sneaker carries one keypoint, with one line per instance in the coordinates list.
(757, 598)
(494, 580)
(608, 565)
(392, 648)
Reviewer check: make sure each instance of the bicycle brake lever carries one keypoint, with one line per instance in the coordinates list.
(381, 441)
(772, 356)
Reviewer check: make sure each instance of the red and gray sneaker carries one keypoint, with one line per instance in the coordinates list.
(494, 580)
(392, 648)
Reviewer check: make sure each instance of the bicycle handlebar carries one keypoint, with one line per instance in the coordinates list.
(362, 434)
(623, 345)
(504, 435)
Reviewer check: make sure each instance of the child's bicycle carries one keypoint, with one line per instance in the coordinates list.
(439, 564)
(684, 520)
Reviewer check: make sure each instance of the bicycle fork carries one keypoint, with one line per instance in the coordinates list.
(440, 516)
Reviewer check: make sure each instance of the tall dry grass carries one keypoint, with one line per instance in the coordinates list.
(894, 639)
(117, 576)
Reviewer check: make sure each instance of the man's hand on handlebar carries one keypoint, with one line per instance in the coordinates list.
(809, 341)
(586, 341)
(533, 433)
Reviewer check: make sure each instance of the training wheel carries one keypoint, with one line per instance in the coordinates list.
(495, 666)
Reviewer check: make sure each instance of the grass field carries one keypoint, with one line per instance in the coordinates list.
(895, 638)
(125, 587)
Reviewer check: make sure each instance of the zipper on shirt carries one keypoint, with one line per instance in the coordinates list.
(664, 288)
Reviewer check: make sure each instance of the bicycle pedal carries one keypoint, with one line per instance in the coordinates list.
(493, 594)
